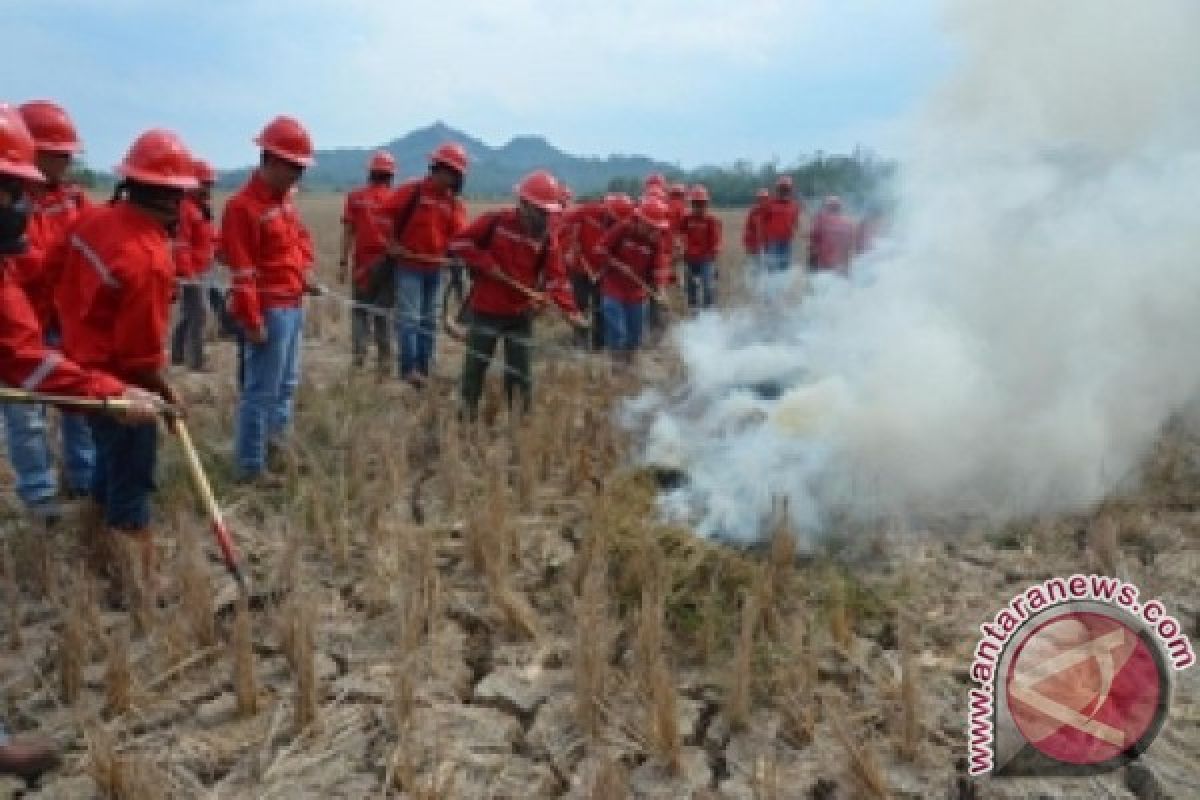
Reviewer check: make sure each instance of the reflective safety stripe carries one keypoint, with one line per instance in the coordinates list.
(42, 372)
(95, 260)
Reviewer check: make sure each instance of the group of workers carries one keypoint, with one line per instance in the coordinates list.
(777, 219)
(88, 291)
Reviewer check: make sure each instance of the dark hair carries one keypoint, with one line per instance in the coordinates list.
(457, 185)
(379, 176)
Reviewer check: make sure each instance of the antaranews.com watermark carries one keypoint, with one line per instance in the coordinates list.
(1072, 677)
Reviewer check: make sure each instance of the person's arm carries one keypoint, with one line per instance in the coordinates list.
(240, 245)
(467, 246)
(347, 241)
(715, 239)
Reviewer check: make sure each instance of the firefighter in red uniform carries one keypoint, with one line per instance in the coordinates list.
(516, 273)
(195, 244)
(365, 221)
(635, 267)
(53, 206)
(26, 361)
(701, 234)
(833, 238)
(270, 255)
(426, 214)
(781, 220)
(583, 228)
(752, 230)
(114, 301)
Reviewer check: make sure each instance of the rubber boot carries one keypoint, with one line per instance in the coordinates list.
(28, 756)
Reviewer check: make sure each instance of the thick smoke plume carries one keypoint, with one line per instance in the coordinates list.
(1018, 344)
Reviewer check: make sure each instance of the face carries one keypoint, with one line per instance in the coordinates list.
(280, 174)
(447, 178)
(14, 214)
(535, 220)
(203, 193)
(53, 165)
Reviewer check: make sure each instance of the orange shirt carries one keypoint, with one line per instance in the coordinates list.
(268, 251)
(647, 258)
(27, 362)
(52, 211)
(496, 243)
(366, 212)
(583, 228)
(193, 244)
(753, 237)
(437, 217)
(701, 237)
(114, 293)
(832, 241)
(780, 219)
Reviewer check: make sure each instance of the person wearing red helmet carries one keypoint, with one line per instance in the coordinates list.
(27, 362)
(701, 233)
(635, 267)
(270, 256)
(516, 273)
(54, 204)
(114, 302)
(583, 227)
(753, 237)
(781, 220)
(195, 246)
(832, 240)
(426, 214)
(365, 224)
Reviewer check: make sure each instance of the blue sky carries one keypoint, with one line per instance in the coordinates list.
(690, 81)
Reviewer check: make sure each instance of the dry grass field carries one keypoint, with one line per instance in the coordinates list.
(439, 613)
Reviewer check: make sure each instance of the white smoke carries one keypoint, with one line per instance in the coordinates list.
(1033, 322)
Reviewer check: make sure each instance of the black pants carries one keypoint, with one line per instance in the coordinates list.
(454, 285)
(587, 300)
(363, 320)
(482, 332)
(226, 325)
(187, 342)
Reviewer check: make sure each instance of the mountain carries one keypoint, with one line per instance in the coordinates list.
(494, 170)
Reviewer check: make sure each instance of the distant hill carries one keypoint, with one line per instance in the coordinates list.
(494, 170)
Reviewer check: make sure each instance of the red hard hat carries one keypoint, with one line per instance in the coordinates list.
(654, 212)
(541, 189)
(50, 126)
(655, 179)
(159, 158)
(452, 155)
(382, 161)
(656, 192)
(204, 171)
(678, 188)
(285, 137)
(784, 182)
(620, 205)
(699, 194)
(763, 194)
(16, 146)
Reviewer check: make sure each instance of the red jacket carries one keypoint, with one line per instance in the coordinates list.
(367, 213)
(583, 228)
(648, 258)
(832, 241)
(437, 217)
(496, 243)
(780, 219)
(267, 249)
(701, 235)
(195, 240)
(114, 294)
(753, 234)
(26, 362)
(52, 212)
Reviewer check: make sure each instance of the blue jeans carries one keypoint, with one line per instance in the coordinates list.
(32, 461)
(622, 324)
(416, 320)
(701, 284)
(124, 479)
(270, 373)
(777, 256)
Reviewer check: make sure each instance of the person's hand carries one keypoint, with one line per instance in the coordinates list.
(256, 335)
(139, 406)
(538, 302)
(314, 289)
(659, 297)
(577, 319)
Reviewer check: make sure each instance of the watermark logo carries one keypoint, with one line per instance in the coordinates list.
(1073, 677)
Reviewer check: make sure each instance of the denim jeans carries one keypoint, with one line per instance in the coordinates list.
(701, 284)
(416, 318)
(124, 478)
(777, 256)
(622, 323)
(270, 373)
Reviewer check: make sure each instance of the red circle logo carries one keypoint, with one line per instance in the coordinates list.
(1084, 688)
